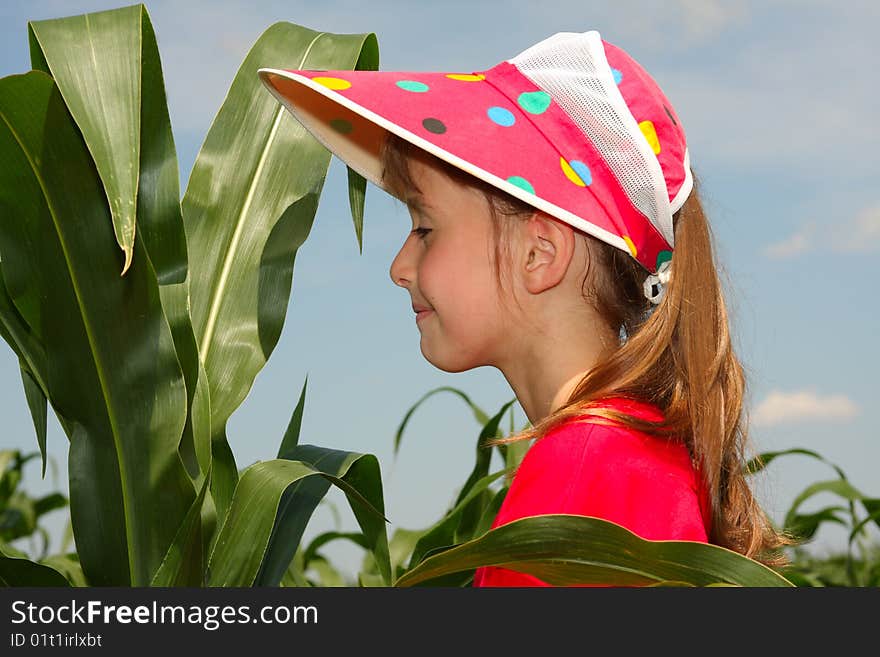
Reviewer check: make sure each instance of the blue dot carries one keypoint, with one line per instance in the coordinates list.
(412, 85)
(582, 170)
(522, 183)
(501, 116)
(618, 76)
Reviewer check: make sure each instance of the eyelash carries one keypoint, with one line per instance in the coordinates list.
(421, 232)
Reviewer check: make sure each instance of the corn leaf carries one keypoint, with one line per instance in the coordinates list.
(249, 205)
(251, 522)
(125, 407)
(566, 550)
(96, 62)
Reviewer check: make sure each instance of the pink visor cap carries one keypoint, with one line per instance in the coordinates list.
(573, 126)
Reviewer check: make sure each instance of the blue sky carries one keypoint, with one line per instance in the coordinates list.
(778, 100)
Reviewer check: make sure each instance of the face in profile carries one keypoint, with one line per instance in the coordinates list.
(447, 266)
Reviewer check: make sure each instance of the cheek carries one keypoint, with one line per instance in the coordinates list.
(461, 278)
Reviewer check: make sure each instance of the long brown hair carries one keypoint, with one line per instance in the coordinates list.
(677, 355)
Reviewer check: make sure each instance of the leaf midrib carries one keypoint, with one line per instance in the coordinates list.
(220, 288)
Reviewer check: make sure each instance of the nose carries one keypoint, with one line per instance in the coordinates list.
(403, 266)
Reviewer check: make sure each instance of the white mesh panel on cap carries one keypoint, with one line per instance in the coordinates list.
(572, 68)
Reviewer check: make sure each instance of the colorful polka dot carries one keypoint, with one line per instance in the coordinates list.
(412, 85)
(341, 126)
(583, 171)
(534, 102)
(337, 84)
(650, 133)
(466, 77)
(577, 172)
(662, 257)
(618, 76)
(434, 125)
(630, 245)
(522, 183)
(501, 116)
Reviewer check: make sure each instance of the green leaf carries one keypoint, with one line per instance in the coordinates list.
(491, 512)
(471, 514)
(872, 507)
(840, 487)
(125, 406)
(357, 184)
(291, 436)
(248, 207)
(251, 520)
(36, 401)
(300, 500)
(764, 459)
(17, 570)
(479, 414)
(15, 330)
(96, 62)
(328, 537)
(443, 533)
(49, 503)
(183, 564)
(357, 191)
(805, 526)
(25, 343)
(295, 575)
(564, 550)
(328, 575)
(68, 565)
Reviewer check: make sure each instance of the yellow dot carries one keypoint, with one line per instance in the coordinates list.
(629, 243)
(336, 84)
(466, 77)
(651, 135)
(570, 173)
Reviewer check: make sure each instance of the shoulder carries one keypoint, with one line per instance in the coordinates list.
(643, 482)
(585, 443)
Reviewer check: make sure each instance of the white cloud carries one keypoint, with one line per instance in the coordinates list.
(863, 234)
(802, 406)
(798, 243)
(860, 235)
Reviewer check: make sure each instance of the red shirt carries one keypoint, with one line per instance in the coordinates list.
(641, 482)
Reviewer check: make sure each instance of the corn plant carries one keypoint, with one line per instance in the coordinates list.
(859, 563)
(143, 318)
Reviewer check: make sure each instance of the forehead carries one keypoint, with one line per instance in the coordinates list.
(434, 189)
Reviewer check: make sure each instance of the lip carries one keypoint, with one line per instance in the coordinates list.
(421, 314)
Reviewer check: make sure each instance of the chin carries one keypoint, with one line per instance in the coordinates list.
(451, 364)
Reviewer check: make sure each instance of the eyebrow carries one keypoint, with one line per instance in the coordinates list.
(417, 202)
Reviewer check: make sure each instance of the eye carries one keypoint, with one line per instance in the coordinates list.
(421, 232)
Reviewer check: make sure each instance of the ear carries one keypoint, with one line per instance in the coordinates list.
(547, 247)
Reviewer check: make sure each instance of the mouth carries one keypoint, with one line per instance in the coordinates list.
(421, 312)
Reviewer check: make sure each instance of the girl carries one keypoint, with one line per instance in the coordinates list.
(558, 236)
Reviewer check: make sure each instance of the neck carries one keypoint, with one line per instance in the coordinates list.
(544, 372)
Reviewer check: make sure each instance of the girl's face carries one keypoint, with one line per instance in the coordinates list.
(447, 265)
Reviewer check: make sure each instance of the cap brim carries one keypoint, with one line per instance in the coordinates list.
(352, 112)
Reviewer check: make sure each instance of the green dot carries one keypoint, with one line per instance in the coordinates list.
(341, 125)
(522, 183)
(534, 102)
(412, 85)
(662, 257)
